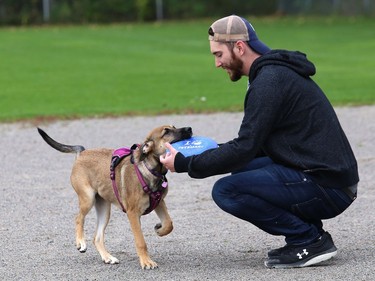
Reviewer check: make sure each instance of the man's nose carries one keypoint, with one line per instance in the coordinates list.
(218, 63)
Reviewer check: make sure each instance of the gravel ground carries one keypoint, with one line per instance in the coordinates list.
(38, 206)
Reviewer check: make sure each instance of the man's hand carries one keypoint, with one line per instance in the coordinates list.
(168, 159)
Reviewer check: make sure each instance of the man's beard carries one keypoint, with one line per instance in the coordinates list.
(235, 67)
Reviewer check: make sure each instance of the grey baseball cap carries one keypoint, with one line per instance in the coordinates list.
(234, 28)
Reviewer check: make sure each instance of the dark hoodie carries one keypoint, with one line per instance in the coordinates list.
(288, 118)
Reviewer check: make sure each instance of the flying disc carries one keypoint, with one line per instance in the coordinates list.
(195, 145)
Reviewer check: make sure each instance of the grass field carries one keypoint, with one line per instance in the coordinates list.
(75, 71)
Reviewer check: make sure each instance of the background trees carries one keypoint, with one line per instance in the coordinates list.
(24, 12)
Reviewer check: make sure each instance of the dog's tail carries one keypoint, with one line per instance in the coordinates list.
(59, 146)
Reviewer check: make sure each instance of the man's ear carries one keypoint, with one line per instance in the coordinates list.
(147, 147)
(240, 46)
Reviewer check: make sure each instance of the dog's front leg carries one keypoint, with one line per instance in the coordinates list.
(140, 244)
(166, 225)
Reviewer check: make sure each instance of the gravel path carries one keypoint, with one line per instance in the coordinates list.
(38, 206)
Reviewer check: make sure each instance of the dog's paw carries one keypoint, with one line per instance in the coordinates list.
(159, 229)
(148, 264)
(110, 260)
(82, 247)
(163, 230)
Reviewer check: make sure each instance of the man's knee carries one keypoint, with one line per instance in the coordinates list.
(216, 191)
(220, 191)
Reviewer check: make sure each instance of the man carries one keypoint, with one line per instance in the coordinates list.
(291, 164)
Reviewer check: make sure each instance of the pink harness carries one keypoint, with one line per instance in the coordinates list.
(155, 196)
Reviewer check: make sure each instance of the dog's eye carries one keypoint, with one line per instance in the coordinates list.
(166, 131)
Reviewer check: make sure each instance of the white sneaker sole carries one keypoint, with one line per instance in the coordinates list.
(312, 261)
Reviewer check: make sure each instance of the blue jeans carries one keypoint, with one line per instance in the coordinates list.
(279, 200)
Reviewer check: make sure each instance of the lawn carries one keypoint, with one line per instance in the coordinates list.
(157, 68)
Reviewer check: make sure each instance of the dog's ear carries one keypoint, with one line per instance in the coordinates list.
(147, 147)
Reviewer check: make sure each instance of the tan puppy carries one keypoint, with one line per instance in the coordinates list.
(91, 180)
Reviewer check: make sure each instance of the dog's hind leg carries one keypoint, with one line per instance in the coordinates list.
(166, 225)
(103, 212)
(86, 201)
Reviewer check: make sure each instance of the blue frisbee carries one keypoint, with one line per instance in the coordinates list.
(195, 145)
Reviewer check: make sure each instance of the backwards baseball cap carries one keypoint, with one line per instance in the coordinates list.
(235, 28)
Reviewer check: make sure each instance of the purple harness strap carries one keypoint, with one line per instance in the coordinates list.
(155, 196)
(117, 156)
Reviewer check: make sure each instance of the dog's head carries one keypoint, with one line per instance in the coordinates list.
(156, 139)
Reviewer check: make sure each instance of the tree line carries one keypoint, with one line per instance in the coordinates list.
(25, 12)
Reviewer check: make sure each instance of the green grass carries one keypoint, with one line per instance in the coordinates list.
(76, 71)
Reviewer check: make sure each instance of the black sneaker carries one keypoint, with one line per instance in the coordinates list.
(301, 256)
(277, 252)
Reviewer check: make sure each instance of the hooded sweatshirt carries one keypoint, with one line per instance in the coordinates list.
(288, 118)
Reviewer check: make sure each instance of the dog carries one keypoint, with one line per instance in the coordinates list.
(90, 178)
